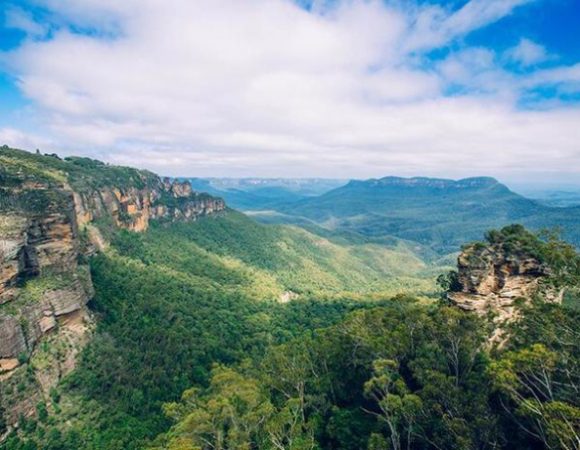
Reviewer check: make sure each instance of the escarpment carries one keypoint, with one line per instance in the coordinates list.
(53, 215)
(133, 208)
(495, 278)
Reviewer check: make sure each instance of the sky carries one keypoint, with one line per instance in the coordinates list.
(298, 88)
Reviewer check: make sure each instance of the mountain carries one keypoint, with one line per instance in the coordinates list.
(559, 198)
(119, 289)
(54, 215)
(138, 314)
(249, 194)
(438, 213)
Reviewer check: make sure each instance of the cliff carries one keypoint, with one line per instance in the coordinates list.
(494, 278)
(430, 183)
(53, 214)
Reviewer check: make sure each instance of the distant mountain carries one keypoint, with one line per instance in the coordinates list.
(558, 198)
(438, 213)
(249, 194)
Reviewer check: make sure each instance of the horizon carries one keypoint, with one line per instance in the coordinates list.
(352, 88)
(521, 188)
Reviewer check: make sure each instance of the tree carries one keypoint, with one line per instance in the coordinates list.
(229, 414)
(449, 281)
(528, 377)
(399, 408)
(287, 429)
(3, 424)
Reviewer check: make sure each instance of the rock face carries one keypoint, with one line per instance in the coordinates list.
(492, 280)
(133, 208)
(51, 216)
(42, 287)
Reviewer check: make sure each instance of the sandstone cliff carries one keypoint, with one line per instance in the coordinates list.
(52, 214)
(494, 279)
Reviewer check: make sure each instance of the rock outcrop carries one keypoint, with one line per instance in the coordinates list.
(132, 208)
(493, 281)
(43, 296)
(51, 216)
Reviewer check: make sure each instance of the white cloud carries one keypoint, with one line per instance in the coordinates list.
(19, 19)
(527, 53)
(566, 75)
(433, 26)
(263, 87)
(477, 13)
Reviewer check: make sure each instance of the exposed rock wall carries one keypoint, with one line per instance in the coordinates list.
(42, 286)
(133, 208)
(44, 290)
(493, 281)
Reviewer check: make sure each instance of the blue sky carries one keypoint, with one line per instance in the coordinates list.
(349, 88)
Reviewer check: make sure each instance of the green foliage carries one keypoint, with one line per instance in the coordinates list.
(538, 375)
(228, 414)
(436, 214)
(169, 309)
(406, 375)
(18, 167)
(306, 263)
(194, 346)
(3, 426)
(399, 409)
(449, 282)
(394, 371)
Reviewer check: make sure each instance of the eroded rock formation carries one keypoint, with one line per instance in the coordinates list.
(493, 281)
(133, 208)
(50, 222)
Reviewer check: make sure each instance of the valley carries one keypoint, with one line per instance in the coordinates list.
(433, 216)
(289, 225)
(137, 312)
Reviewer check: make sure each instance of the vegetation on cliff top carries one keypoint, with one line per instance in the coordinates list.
(18, 167)
(561, 259)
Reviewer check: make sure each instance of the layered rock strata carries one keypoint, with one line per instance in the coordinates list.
(50, 221)
(493, 282)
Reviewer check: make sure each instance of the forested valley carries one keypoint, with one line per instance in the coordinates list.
(191, 352)
(206, 330)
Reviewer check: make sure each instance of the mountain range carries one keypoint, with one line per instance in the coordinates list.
(262, 193)
(437, 214)
(138, 313)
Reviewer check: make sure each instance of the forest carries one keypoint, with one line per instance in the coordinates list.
(194, 351)
(289, 224)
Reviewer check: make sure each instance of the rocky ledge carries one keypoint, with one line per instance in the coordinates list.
(52, 214)
(493, 280)
(133, 208)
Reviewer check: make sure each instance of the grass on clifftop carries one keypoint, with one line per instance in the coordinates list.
(18, 166)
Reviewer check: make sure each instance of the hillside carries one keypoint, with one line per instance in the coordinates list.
(250, 194)
(438, 213)
(411, 376)
(54, 215)
(136, 313)
(307, 263)
(118, 289)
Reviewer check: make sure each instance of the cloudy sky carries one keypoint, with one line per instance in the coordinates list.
(344, 88)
